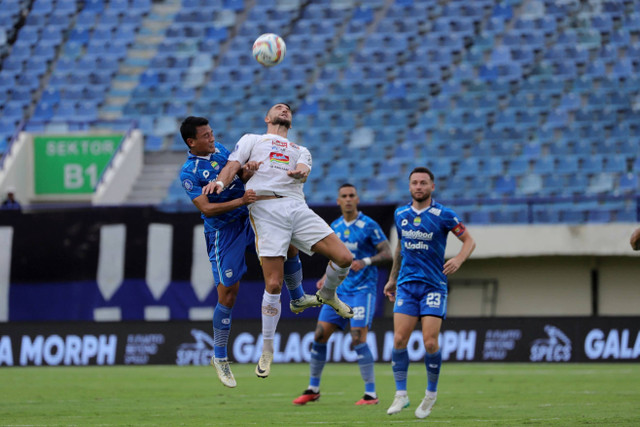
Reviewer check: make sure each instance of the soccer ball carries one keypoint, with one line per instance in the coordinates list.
(269, 49)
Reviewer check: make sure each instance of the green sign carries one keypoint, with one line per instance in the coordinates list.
(71, 164)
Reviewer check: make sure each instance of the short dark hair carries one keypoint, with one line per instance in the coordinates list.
(189, 127)
(422, 169)
(345, 185)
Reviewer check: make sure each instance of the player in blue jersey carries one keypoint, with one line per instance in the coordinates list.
(227, 233)
(418, 282)
(370, 247)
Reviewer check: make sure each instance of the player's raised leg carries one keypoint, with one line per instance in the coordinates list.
(221, 329)
(293, 280)
(337, 269)
(272, 268)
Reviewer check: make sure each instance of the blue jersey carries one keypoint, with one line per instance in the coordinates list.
(423, 236)
(361, 237)
(198, 171)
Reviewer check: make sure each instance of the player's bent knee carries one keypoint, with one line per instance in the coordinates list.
(431, 346)
(344, 259)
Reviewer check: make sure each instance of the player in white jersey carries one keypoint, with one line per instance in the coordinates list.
(280, 217)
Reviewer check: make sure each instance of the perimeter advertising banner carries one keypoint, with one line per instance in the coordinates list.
(535, 340)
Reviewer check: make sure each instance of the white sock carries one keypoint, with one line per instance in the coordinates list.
(431, 393)
(335, 276)
(401, 393)
(270, 317)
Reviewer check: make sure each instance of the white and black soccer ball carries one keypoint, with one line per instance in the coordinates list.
(269, 49)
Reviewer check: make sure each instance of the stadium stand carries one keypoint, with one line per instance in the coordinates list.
(505, 100)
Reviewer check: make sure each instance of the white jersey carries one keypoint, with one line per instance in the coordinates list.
(278, 155)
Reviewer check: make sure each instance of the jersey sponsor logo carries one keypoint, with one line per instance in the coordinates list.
(279, 158)
(206, 174)
(278, 143)
(458, 229)
(416, 234)
(360, 224)
(417, 221)
(416, 246)
(292, 145)
(555, 348)
(404, 222)
(187, 184)
(435, 211)
(352, 246)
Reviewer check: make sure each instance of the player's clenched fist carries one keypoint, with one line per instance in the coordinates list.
(249, 197)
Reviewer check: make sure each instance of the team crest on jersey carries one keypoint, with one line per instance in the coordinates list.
(187, 184)
(228, 273)
(279, 158)
(399, 302)
(347, 233)
(417, 221)
(215, 165)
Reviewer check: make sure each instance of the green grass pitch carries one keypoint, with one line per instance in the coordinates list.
(469, 395)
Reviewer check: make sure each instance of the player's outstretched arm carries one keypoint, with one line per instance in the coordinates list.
(213, 209)
(224, 178)
(301, 172)
(468, 245)
(247, 171)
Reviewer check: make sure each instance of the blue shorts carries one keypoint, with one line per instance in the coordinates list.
(226, 249)
(363, 305)
(419, 299)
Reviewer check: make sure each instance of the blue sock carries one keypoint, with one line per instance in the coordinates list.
(365, 361)
(316, 365)
(400, 367)
(221, 329)
(433, 363)
(293, 277)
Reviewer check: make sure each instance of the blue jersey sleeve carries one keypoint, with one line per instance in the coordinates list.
(190, 183)
(452, 222)
(376, 233)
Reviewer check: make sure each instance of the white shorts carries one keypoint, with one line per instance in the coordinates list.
(278, 222)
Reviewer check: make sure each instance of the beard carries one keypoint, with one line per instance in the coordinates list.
(281, 122)
(425, 196)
